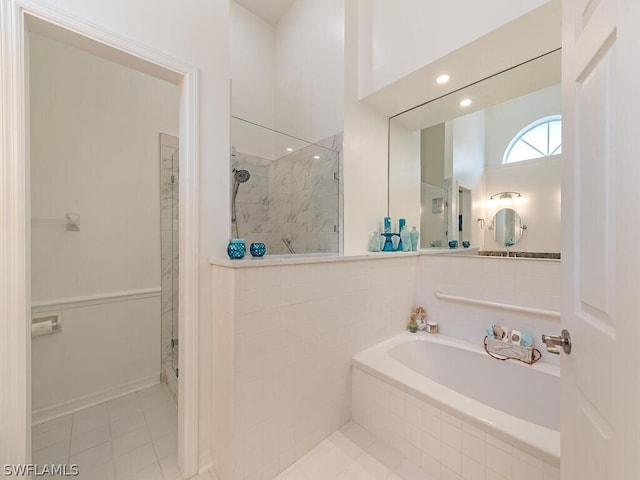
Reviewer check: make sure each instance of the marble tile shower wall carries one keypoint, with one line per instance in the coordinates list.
(294, 198)
(253, 199)
(169, 245)
(288, 355)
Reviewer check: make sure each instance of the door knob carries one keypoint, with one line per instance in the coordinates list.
(554, 341)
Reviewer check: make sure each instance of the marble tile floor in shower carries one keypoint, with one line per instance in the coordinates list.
(353, 453)
(133, 437)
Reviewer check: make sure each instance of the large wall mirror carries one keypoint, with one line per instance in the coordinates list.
(453, 165)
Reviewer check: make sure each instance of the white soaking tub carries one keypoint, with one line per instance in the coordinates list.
(512, 407)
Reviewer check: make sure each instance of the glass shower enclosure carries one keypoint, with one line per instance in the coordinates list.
(285, 190)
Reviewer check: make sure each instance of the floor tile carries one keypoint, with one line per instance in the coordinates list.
(169, 466)
(56, 453)
(113, 440)
(166, 445)
(92, 458)
(86, 440)
(100, 472)
(129, 441)
(84, 423)
(50, 436)
(135, 460)
(151, 472)
(128, 424)
(292, 473)
(324, 462)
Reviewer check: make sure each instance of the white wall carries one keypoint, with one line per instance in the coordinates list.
(310, 69)
(365, 150)
(404, 39)
(539, 180)
(253, 66)
(468, 137)
(95, 129)
(290, 77)
(404, 176)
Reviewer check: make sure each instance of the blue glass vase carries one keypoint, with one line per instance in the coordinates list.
(236, 248)
(258, 249)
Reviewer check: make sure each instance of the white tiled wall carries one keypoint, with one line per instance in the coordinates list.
(284, 337)
(283, 341)
(526, 282)
(446, 446)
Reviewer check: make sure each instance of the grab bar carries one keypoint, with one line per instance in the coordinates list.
(503, 306)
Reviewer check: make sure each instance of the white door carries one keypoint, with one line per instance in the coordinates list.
(601, 255)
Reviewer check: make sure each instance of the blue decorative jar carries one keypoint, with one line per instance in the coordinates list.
(258, 249)
(236, 248)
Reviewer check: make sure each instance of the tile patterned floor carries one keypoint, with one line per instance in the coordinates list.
(135, 438)
(352, 453)
(130, 438)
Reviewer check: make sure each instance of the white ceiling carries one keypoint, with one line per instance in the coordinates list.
(269, 10)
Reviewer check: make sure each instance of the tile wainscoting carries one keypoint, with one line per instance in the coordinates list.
(441, 442)
(283, 340)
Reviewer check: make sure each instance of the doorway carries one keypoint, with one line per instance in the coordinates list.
(96, 265)
(15, 254)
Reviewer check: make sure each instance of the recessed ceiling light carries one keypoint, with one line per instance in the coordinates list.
(444, 78)
(289, 149)
(317, 157)
(465, 103)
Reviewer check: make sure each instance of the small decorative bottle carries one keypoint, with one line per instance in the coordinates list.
(374, 243)
(405, 238)
(415, 234)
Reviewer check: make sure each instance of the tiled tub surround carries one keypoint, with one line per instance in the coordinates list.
(399, 398)
(283, 340)
(295, 197)
(448, 445)
(169, 254)
(523, 282)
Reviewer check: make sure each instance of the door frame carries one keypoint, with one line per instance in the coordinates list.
(15, 276)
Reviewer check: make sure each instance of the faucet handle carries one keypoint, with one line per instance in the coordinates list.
(554, 341)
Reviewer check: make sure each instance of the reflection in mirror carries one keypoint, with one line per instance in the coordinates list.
(445, 159)
(507, 227)
(285, 191)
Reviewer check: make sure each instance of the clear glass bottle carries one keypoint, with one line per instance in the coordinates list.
(405, 238)
(375, 243)
(415, 234)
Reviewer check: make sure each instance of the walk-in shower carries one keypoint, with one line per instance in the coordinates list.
(285, 190)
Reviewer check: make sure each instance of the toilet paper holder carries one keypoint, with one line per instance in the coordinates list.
(46, 324)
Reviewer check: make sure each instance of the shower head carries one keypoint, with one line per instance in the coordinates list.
(241, 176)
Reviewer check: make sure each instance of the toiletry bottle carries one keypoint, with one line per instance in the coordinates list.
(405, 238)
(374, 243)
(414, 238)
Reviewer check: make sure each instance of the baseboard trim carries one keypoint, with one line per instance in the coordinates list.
(61, 409)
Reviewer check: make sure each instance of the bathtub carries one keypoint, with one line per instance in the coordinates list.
(511, 408)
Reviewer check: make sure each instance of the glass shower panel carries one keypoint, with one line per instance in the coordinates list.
(169, 161)
(175, 162)
(285, 190)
